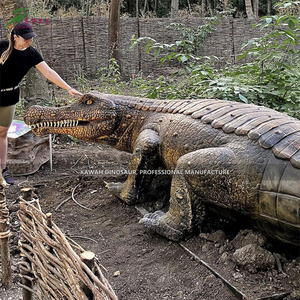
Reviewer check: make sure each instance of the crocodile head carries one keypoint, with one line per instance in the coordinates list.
(91, 118)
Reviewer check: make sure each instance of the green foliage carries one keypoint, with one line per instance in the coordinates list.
(268, 72)
(187, 50)
(275, 63)
(111, 73)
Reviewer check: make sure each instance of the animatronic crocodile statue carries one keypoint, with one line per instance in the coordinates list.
(239, 157)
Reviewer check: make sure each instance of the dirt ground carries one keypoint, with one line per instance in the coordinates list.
(149, 266)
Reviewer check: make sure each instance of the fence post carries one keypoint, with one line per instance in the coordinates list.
(25, 265)
(4, 239)
(49, 225)
(88, 258)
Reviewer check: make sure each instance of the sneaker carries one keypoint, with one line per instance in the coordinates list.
(7, 176)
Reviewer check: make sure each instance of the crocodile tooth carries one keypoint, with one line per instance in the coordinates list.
(51, 124)
(54, 124)
(48, 124)
(77, 123)
(44, 124)
(74, 123)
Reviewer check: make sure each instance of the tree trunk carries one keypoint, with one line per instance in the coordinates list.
(269, 7)
(114, 31)
(189, 6)
(145, 8)
(249, 10)
(255, 8)
(203, 8)
(225, 4)
(210, 7)
(174, 8)
(137, 10)
(36, 87)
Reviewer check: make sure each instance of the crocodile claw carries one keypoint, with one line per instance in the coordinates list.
(115, 188)
(158, 222)
(118, 189)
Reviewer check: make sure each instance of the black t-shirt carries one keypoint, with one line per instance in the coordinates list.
(14, 69)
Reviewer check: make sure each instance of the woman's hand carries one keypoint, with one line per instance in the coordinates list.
(74, 92)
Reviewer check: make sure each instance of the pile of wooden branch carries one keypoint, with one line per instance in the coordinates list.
(5, 234)
(52, 265)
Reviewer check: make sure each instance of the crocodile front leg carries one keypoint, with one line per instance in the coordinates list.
(190, 190)
(145, 157)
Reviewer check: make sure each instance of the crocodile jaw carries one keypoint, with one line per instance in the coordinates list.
(90, 118)
(86, 130)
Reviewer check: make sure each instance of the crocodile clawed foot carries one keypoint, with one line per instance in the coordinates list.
(115, 188)
(118, 189)
(158, 222)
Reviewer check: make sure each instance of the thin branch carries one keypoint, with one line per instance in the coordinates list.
(76, 200)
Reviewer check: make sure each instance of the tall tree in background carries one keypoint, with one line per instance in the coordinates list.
(174, 8)
(114, 31)
(36, 88)
(252, 8)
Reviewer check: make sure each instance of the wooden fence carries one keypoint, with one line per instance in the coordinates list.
(73, 46)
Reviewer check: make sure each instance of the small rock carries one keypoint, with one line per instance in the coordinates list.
(237, 275)
(206, 248)
(218, 237)
(247, 237)
(222, 250)
(117, 273)
(253, 258)
(295, 294)
(180, 294)
(224, 257)
(203, 236)
(210, 279)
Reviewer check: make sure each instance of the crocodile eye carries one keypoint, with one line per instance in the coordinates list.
(89, 102)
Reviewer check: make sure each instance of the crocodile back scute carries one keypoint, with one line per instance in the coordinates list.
(271, 129)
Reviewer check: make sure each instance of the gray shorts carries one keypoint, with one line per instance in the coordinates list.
(6, 115)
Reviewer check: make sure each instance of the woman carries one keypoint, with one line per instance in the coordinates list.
(17, 57)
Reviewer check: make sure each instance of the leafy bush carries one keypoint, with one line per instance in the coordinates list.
(270, 75)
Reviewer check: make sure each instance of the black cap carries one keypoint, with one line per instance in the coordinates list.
(24, 30)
